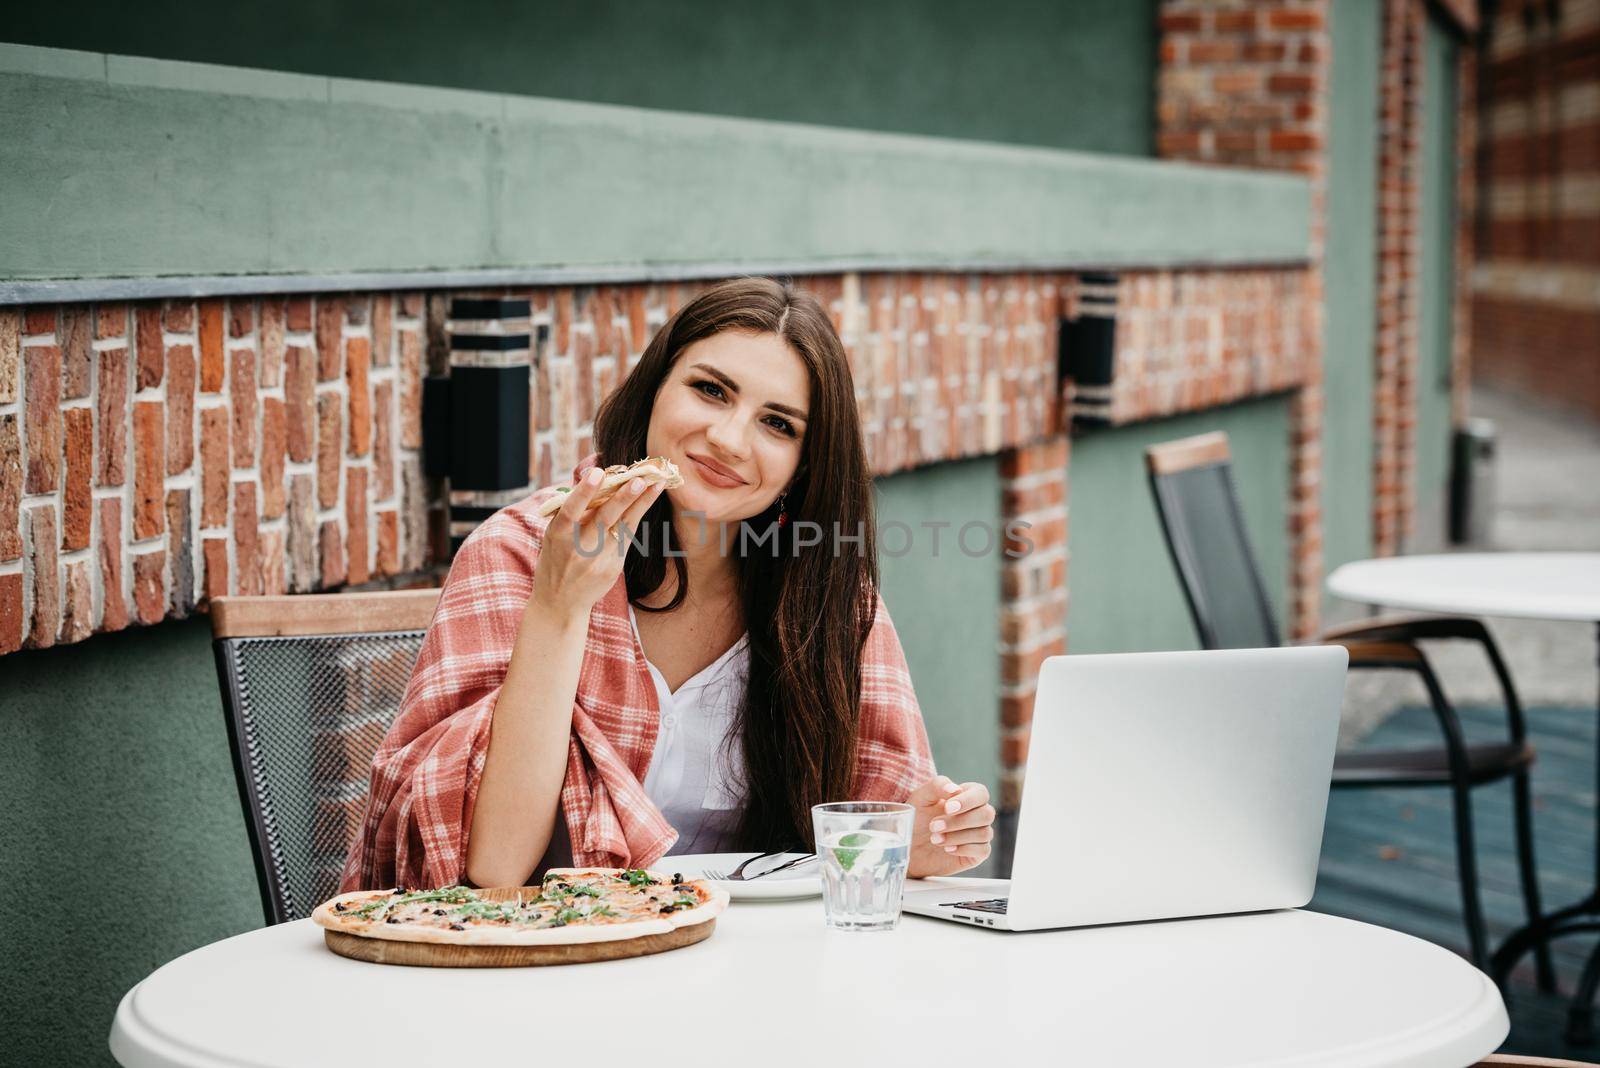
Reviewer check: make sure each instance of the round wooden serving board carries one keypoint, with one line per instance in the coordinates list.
(432, 955)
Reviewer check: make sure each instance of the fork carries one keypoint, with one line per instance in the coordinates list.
(737, 875)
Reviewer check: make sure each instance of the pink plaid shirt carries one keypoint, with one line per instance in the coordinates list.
(425, 775)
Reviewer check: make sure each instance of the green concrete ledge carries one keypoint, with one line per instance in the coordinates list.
(138, 177)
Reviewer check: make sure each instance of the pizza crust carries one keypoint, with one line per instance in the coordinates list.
(572, 934)
(652, 469)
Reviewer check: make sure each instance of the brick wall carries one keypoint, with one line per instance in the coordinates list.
(1536, 289)
(1247, 84)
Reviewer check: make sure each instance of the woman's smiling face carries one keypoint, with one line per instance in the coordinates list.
(732, 415)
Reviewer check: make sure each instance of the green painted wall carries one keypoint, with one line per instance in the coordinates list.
(1435, 335)
(948, 68)
(120, 167)
(1350, 285)
(1122, 590)
(946, 608)
(114, 771)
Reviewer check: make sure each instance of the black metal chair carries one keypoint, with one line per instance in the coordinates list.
(1192, 481)
(310, 685)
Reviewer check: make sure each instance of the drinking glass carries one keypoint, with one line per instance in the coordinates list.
(864, 847)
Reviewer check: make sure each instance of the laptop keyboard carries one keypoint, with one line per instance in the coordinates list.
(996, 905)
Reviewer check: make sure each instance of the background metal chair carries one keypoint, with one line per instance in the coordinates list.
(310, 685)
(1192, 480)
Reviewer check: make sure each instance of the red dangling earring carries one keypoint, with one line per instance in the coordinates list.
(783, 513)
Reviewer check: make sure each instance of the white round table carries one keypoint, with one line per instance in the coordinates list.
(1559, 586)
(773, 987)
(1527, 585)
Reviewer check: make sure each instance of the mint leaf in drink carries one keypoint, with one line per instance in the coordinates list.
(849, 848)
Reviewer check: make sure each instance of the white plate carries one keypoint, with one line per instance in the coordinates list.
(799, 881)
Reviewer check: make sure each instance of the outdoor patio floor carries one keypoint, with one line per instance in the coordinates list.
(1416, 889)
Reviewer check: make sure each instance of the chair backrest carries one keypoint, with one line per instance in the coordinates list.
(1192, 480)
(310, 685)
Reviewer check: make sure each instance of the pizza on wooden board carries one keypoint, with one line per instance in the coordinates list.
(572, 906)
(652, 469)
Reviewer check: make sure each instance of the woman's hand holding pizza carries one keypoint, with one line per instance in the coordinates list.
(583, 554)
(953, 827)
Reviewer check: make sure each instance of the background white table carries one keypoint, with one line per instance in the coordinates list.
(1560, 586)
(773, 987)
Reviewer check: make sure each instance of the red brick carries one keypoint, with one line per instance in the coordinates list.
(1016, 710)
(1233, 21)
(111, 409)
(1172, 144)
(355, 513)
(246, 541)
(1213, 51)
(411, 375)
(179, 316)
(1295, 19)
(212, 366)
(243, 389)
(1179, 22)
(41, 320)
(299, 392)
(1236, 83)
(273, 446)
(77, 351)
(302, 531)
(214, 464)
(77, 503)
(241, 317)
(1014, 749)
(111, 320)
(411, 305)
(1293, 141)
(215, 581)
(331, 554)
(388, 543)
(149, 586)
(10, 489)
(272, 327)
(383, 329)
(148, 345)
(46, 622)
(10, 353)
(77, 602)
(330, 428)
(330, 334)
(181, 372)
(114, 613)
(42, 406)
(383, 443)
(297, 312)
(10, 613)
(1292, 83)
(358, 361)
(149, 470)
(1264, 51)
(272, 563)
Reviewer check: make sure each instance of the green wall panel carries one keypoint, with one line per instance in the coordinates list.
(152, 169)
(1122, 590)
(946, 608)
(1435, 335)
(1350, 284)
(945, 68)
(114, 771)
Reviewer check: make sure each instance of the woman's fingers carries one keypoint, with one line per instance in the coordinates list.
(611, 511)
(633, 518)
(972, 795)
(969, 836)
(577, 501)
(982, 816)
(955, 828)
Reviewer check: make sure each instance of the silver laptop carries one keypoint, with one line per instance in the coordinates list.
(1163, 785)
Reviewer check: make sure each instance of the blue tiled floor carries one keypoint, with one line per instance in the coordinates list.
(1388, 856)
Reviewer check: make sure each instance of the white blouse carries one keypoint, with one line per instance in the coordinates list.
(696, 773)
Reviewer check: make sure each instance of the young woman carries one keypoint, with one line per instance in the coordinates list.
(675, 670)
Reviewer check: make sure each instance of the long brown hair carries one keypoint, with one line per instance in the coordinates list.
(808, 609)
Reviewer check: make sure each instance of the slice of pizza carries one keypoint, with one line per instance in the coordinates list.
(652, 469)
(571, 905)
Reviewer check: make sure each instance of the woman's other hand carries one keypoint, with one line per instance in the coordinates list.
(953, 827)
(581, 556)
